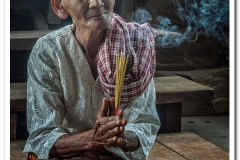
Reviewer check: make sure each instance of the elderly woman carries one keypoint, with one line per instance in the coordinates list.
(71, 83)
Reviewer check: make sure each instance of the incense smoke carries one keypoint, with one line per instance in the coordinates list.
(208, 17)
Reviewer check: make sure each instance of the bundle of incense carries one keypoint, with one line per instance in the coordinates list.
(121, 66)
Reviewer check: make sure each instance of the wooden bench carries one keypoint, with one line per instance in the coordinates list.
(170, 93)
(168, 146)
(25, 40)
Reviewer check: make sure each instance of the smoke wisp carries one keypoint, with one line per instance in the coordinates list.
(208, 17)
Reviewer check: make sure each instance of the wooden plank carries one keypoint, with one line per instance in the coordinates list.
(19, 35)
(25, 40)
(178, 84)
(18, 91)
(16, 150)
(191, 146)
(175, 89)
(160, 152)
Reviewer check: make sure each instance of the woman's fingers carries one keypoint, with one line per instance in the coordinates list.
(120, 113)
(111, 142)
(104, 108)
(122, 128)
(108, 105)
(124, 122)
(111, 120)
(110, 133)
(109, 129)
(112, 106)
(114, 142)
(112, 124)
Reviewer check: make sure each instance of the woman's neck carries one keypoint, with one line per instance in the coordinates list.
(90, 40)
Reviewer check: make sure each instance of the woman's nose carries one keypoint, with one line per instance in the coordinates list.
(95, 3)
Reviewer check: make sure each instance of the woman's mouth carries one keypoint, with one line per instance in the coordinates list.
(96, 13)
(95, 16)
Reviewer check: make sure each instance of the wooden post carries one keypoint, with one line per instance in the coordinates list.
(170, 117)
(13, 126)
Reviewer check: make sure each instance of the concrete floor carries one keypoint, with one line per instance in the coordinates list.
(212, 128)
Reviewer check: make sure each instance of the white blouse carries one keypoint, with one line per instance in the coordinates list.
(64, 98)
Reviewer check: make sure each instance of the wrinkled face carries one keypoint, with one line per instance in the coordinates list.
(91, 14)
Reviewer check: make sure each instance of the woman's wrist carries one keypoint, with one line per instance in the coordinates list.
(131, 141)
(74, 144)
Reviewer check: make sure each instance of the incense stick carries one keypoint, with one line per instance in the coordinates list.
(121, 66)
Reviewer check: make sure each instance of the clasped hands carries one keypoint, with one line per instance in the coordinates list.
(109, 129)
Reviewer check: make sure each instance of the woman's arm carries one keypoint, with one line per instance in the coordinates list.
(131, 141)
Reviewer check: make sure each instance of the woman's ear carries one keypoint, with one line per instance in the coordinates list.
(56, 4)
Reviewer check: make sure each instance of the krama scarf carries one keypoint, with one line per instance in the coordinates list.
(135, 41)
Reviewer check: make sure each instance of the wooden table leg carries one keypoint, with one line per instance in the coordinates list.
(170, 116)
(13, 126)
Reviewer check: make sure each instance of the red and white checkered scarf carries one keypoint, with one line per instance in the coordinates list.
(135, 41)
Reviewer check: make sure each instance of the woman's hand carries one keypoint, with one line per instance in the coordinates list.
(108, 128)
(109, 131)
